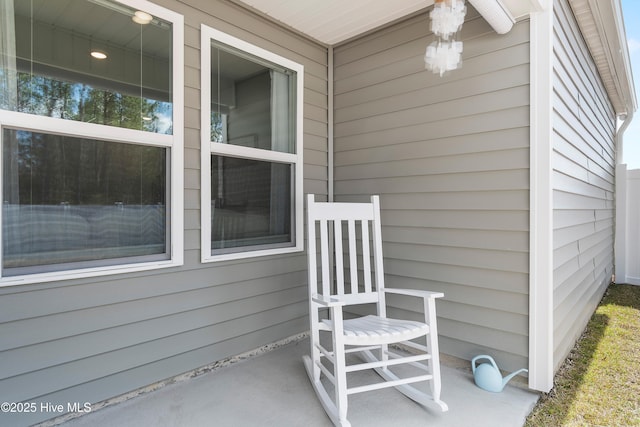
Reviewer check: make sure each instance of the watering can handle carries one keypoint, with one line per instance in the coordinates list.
(483, 356)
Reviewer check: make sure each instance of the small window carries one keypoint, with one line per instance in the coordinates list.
(91, 135)
(252, 155)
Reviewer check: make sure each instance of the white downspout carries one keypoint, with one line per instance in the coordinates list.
(330, 123)
(619, 137)
(330, 148)
(620, 247)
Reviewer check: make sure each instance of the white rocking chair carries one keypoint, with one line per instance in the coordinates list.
(371, 336)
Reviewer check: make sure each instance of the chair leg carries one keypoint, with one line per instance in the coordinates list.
(340, 385)
(314, 340)
(434, 365)
(339, 368)
(315, 355)
(328, 404)
(384, 355)
(434, 351)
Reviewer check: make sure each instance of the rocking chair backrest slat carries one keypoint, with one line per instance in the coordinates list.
(324, 254)
(377, 254)
(337, 229)
(350, 221)
(353, 256)
(366, 256)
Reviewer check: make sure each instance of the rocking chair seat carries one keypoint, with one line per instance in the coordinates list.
(375, 330)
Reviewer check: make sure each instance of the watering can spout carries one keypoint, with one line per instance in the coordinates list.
(506, 379)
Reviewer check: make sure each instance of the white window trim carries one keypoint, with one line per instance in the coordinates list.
(207, 35)
(89, 130)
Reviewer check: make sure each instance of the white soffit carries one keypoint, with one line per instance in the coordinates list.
(520, 9)
(334, 21)
(602, 27)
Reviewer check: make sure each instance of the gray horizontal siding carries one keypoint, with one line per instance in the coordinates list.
(583, 184)
(450, 158)
(93, 339)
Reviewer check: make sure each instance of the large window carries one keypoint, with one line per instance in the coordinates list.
(251, 150)
(91, 135)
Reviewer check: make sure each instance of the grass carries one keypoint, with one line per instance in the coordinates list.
(599, 382)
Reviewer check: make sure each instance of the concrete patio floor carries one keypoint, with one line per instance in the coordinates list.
(272, 389)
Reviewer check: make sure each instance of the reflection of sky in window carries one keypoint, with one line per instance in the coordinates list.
(164, 118)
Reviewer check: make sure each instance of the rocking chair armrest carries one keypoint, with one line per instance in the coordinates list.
(414, 293)
(327, 301)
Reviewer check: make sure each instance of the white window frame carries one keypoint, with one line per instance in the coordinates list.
(174, 143)
(209, 35)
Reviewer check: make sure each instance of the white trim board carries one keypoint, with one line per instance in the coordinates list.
(541, 203)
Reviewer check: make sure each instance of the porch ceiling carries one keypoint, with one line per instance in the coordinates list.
(334, 21)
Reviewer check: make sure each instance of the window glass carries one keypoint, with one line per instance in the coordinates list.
(251, 203)
(252, 101)
(88, 61)
(71, 200)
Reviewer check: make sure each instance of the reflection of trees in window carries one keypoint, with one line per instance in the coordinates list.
(69, 199)
(54, 169)
(45, 96)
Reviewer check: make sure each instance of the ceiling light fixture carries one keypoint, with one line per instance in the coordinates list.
(142, 18)
(98, 54)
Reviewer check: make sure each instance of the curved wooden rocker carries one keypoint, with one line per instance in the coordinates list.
(341, 278)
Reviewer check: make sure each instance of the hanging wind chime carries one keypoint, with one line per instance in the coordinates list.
(445, 53)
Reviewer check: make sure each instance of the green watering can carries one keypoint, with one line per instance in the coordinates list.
(487, 376)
